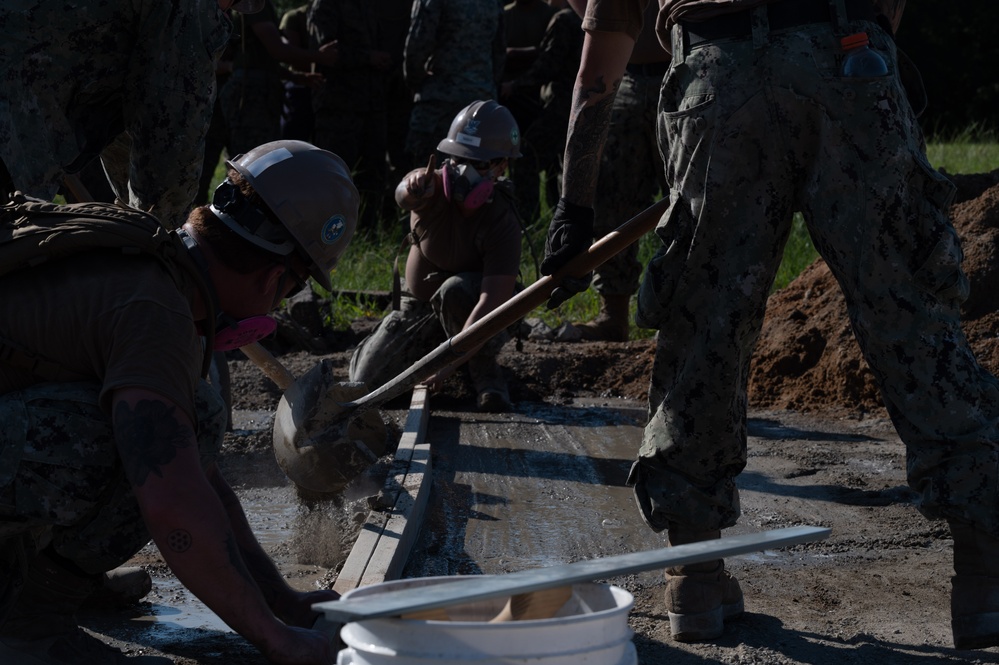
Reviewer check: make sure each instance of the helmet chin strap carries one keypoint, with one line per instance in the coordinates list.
(229, 333)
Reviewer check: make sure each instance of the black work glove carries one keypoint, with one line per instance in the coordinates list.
(570, 233)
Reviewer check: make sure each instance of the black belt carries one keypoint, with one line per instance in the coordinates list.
(781, 15)
(656, 69)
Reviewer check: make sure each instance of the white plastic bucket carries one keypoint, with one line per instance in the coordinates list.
(590, 629)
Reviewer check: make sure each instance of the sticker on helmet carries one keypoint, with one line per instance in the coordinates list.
(468, 140)
(515, 136)
(472, 126)
(333, 229)
(261, 164)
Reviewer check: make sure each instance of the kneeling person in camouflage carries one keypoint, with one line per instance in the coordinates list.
(109, 430)
(464, 258)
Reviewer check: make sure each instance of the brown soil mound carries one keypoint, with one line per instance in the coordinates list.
(807, 358)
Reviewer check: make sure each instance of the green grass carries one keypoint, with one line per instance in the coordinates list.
(367, 265)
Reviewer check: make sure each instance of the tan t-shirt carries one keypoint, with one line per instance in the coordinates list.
(626, 15)
(120, 320)
(488, 242)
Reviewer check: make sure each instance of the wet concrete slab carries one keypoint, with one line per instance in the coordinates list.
(539, 487)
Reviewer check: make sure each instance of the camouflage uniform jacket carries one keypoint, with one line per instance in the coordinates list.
(73, 81)
(352, 83)
(455, 50)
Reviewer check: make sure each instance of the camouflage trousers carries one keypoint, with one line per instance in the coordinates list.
(751, 132)
(429, 122)
(61, 479)
(251, 103)
(415, 329)
(631, 175)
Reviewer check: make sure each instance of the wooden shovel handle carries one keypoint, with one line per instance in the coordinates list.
(541, 604)
(270, 365)
(512, 310)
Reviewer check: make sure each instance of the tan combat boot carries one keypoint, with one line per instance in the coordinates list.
(119, 588)
(611, 324)
(974, 599)
(700, 596)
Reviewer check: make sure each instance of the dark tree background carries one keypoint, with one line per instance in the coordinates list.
(955, 47)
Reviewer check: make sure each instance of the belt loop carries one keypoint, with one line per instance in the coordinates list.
(678, 42)
(760, 23)
(841, 20)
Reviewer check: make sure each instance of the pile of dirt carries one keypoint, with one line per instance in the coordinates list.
(807, 359)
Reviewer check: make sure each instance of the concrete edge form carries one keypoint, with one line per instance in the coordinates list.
(387, 536)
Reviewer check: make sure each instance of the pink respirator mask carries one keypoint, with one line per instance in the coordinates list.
(464, 185)
(231, 334)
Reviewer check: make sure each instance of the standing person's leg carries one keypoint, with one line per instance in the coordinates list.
(251, 102)
(429, 123)
(372, 174)
(731, 194)
(879, 216)
(630, 175)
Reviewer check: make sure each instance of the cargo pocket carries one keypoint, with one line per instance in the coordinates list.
(662, 274)
(940, 274)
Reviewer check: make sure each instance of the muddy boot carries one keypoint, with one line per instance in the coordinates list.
(974, 599)
(611, 324)
(700, 596)
(41, 628)
(491, 392)
(120, 588)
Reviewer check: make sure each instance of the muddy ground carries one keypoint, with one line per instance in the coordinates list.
(821, 452)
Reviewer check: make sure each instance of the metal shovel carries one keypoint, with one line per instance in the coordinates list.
(318, 421)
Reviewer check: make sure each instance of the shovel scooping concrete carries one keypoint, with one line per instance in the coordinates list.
(312, 459)
(318, 419)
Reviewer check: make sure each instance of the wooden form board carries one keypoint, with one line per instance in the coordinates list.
(387, 536)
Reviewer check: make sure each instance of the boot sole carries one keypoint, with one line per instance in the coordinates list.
(703, 625)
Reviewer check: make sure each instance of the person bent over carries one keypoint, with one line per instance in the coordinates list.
(110, 432)
(464, 257)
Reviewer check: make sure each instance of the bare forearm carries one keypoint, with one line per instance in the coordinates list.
(185, 516)
(260, 566)
(605, 56)
(206, 558)
(589, 122)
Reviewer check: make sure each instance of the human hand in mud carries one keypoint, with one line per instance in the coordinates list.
(296, 609)
(300, 646)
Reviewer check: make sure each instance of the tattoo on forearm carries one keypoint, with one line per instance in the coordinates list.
(588, 125)
(179, 540)
(149, 436)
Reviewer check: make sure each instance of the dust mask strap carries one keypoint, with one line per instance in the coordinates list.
(229, 333)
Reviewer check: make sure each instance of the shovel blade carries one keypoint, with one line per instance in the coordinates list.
(318, 449)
